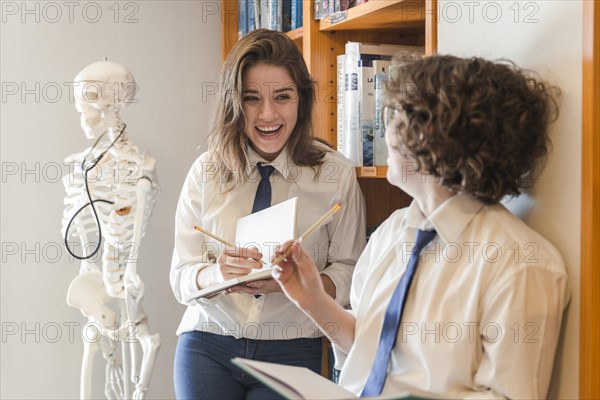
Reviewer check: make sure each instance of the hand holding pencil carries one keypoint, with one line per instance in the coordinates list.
(225, 242)
(234, 262)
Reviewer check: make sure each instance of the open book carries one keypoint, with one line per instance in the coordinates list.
(263, 273)
(265, 229)
(301, 383)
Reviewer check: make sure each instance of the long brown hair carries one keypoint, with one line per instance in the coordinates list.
(227, 140)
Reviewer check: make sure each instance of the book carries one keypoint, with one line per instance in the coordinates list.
(351, 148)
(294, 382)
(271, 14)
(286, 19)
(265, 230)
(380, 75)
(356, 55)
(380, 151)
(268, 228)
(242, 18)
(321, 9)
(366, 109)
(341, 60)
(252, 15)
(296, 21)
(263, 273)
(381, 66)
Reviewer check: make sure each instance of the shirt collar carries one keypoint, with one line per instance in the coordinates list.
(280, 163)
(449, 219)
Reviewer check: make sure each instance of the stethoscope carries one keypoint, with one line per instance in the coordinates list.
(87, 166)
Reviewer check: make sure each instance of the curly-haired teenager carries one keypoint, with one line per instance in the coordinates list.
(483, 312)
(263, 116)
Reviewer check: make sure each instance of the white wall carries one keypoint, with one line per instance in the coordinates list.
(545, 36)
(173, 50)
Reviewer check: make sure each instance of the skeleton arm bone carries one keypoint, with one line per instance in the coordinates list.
(134, 292)
(133, 284)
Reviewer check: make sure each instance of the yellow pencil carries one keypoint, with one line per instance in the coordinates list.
(218, 239)
(310, 230)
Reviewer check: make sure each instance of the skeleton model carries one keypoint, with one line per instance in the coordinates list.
(110, 192)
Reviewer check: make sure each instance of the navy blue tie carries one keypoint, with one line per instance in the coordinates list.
(391, 321)
(262, 199)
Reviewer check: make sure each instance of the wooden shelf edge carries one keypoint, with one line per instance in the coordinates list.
(378, 14)
(371, 172)
(296, 33)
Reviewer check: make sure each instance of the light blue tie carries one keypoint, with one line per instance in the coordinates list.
(391, 321)
(262, 199)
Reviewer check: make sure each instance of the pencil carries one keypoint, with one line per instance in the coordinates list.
(218, 239)
(310, 230)
(314, 226)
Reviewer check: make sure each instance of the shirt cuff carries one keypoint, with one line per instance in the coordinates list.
(340, 356)
(202, 301)
(341, 276)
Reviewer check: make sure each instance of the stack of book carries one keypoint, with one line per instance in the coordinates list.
(327, 8)
(361, 75)
(277, 15)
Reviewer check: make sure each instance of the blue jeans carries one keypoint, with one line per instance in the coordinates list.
(203, 369)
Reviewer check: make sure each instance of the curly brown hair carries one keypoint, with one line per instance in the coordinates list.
(478, 126)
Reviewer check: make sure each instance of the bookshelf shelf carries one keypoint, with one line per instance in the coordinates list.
(378, 14)
(296, 34)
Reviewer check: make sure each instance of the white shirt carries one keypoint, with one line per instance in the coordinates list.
(483, 314)
(334, 247)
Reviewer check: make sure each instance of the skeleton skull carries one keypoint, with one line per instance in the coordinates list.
(101, 90)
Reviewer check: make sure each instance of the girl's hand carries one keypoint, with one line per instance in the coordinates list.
(239, 261)
(261, 286)
(298, 276)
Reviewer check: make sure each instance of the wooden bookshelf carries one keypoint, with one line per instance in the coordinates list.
(409, 22)
(378, 14)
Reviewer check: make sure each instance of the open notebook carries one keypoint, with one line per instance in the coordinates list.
(302, 383)
(265, 230)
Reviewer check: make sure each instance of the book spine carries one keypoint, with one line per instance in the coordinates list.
(379, 146)
(353, 136)
(253, 15)
(330, 6)
(366, 107)
(341, 59)
(381, 66)
(242, 18)
(296, 14)
(318, 4)
(270, 14)
(286, 19)
(276, 15)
